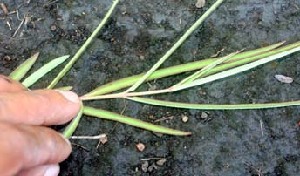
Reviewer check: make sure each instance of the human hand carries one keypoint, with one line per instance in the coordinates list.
(27, 147)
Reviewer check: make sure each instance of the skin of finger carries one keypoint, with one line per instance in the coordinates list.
(36, 171)
(9, 85)
(24, 146)
(41, 107)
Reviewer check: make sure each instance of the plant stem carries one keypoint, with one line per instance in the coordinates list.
(70, 129)
(89, 137)
(126, 94)
(176, 45)
(82, 49)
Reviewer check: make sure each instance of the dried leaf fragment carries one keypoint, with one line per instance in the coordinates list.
(284, 79)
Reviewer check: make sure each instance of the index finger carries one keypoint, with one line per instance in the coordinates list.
(41, 107)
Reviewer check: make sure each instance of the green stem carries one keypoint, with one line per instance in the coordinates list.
(176, 45)
(82, 49)
(70, 129)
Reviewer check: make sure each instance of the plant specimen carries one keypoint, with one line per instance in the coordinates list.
(205, 71)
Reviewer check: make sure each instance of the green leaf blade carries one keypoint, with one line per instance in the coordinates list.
(200, 73)
(23, 68)
(181, 105)
(35, 76)
(99, 113)
(245, 60)
(236, 70)
(255, 52)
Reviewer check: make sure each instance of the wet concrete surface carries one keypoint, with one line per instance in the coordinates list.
(248, 142)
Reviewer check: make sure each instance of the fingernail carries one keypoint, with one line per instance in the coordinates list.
(52, 171)
(71, 96)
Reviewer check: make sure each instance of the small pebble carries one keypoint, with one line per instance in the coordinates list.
(200, 3)
(144, 166)
(142, 57)
(284, 79)
(184, 118)
(140, 147)
(53, 27)
(204, 115)
(152, 167)
(161, 162)
(4, 8)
